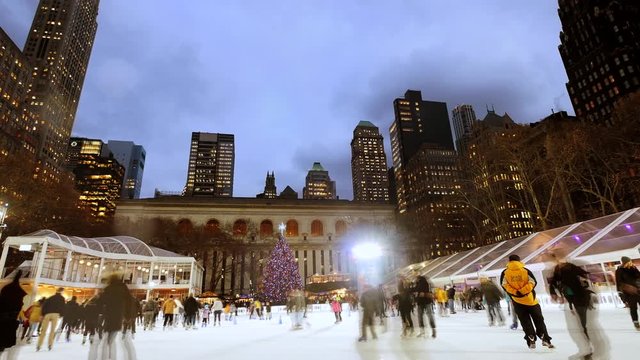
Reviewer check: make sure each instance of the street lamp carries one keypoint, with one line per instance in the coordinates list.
(366, 256)
(4, 208)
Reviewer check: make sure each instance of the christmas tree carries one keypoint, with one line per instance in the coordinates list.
(281, 273)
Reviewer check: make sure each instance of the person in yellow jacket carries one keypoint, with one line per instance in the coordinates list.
(168, 309)
(441, 298)
(34, 313)
(519, 283)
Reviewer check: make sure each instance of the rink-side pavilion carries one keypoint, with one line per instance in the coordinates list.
(596, 244)
(81, 264)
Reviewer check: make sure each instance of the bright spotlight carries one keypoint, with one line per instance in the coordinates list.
(367, 251)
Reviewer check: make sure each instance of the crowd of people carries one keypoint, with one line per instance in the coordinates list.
(114, 313)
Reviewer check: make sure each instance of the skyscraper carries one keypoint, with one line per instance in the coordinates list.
(416, 122)
(601, 53)
(319, 184)
(463, 119)
(59, 46)
(132, 157)
(369, 164)
(211, 164)
(16, 126)
(98, 178)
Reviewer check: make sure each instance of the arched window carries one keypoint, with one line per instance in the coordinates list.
(240, 228)
(212, 226)
(316, 228)
(266, 228)
(341, 227)
(185, 227)
(292, 228)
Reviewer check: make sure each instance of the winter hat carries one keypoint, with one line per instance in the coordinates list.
(625, 259)
(514, 257)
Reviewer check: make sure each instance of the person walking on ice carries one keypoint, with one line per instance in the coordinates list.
(519, 283)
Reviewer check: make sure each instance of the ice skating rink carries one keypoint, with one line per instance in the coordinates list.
(460, 336)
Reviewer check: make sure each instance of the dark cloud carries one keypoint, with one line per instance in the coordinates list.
(292, 79)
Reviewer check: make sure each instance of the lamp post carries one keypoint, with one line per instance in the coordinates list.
(4, 208)
(368, 266)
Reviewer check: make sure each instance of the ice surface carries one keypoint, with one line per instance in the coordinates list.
(460, 336)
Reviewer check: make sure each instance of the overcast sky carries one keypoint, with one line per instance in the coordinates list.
(291, 79)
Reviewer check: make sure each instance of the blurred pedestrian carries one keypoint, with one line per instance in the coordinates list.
(191, 307)
(492, 296)
(628, 283)
(148, 312)
(424, 302)
(571, 282)
(117, 306)
(168, 309)
(52, 309)
(217, 311)
(336, 307)
(11, 301)
(369, 303)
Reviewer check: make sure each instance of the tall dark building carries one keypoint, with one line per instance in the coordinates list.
(369, 164)
(416, 122)
(58, 47)
(270, 191)
(211, 164)
(98, 178)
(318, 184)
(16, 125)
(463, 118)
(600, 48)
(132, 157)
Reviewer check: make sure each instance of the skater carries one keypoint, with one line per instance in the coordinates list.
(205, 315)
(92, 314)
(34, 314)
(405, 308)
(52, 308)
(441, 297)
(627, 281)
(267, 309)
(511, 312)
(190, 309)
(337, 310)
(492, 296)
(11, 301)
(117, 306)
(168, 310)
(369, 304)
(70, 317)
(234, 310)
(451, 295)
(571, 282)
(424, 300)
(148, 311)
(519, 283)
(217, 311)
(295, 308)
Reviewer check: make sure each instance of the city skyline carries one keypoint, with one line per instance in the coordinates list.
(355, 81)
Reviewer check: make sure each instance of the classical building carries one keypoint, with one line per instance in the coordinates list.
(132, 157)
(98, 178)
(320, 232)
(463, 118)
(318, 184)
(369, 164)
(211, 164)
(16, 126)
(58, 47)
(601, 54)
(416, 122)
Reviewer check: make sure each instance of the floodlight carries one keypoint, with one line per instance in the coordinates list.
(367, 251)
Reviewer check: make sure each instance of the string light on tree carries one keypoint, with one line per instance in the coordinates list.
(281, 275)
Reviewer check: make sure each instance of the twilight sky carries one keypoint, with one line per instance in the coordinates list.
(291, 79)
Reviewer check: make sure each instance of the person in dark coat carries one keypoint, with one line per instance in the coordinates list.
(91, 316)
(405, 308)
(424, 300)
(628, 283)
(11, 297)
(451, 295)
(570, 282)
(70, 317)
(116, 303)
(52, 309)
(369, 303)
(190, 309)
(492, 296)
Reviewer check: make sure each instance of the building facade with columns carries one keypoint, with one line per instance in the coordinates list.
(321, 233)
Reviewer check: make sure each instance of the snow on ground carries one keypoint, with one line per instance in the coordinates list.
(460, 336)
